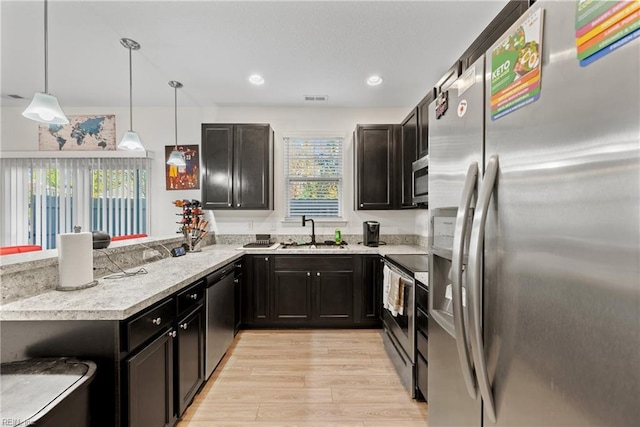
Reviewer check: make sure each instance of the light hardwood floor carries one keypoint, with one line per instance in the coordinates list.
(305, 378)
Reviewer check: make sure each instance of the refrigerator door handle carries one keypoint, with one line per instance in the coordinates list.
(475, 285)
(459, 237)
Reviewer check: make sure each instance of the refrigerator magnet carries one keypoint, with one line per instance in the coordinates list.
(462, 107)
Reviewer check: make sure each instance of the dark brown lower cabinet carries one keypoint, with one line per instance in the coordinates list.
(422, 376)
(422, 338)
(310, 291)
(333, 297)
(256, 291)
(190, 361)
(370, 295)
(292, 297)
(150, 384)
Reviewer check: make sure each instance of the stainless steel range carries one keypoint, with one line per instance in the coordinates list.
(399, 325)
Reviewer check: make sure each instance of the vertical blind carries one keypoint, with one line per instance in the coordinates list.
(313, 176)
(42, 197)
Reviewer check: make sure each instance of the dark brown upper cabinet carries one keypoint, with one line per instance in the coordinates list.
(237, 166)
(375, 168)
(408, 154)
(423, 123)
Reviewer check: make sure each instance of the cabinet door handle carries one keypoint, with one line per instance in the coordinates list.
(184, 326)
(157, 321)
(362, 205)
(238, 205)
(266, 258)
(229, 204)
(236, 281)
(308, 274)
(193, 296)
(172, 334)
(318, 274)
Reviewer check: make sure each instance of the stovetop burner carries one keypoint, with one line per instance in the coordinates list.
(412, 263)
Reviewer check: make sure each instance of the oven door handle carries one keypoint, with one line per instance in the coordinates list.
(459, 238)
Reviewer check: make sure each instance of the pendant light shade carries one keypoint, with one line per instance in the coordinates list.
(44, 107)
(130, 141)
(176, 157)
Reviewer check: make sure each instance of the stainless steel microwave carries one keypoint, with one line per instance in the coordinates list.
(420, 180)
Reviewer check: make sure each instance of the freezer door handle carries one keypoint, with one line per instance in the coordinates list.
(459, 237)
(474, 274)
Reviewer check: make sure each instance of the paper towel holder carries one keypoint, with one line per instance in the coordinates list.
(77, 230)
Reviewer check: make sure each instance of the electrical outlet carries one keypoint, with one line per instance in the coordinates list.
(150, 254)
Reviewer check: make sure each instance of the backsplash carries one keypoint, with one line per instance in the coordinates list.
(39, 273)
(351, 239)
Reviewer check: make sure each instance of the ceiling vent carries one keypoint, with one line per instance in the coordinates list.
(316, 98)
(16, 97)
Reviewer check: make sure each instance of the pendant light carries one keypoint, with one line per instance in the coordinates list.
(44, 107)
(130, 141)
(176, 158)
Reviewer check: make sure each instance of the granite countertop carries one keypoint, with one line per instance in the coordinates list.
(117, 299)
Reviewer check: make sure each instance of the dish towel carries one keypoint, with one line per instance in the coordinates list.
(395, 300)
(386, 276)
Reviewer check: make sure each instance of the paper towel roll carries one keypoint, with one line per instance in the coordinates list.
(75, 261)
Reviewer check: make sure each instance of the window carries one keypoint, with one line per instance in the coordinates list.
(43, 197)
(313, 176)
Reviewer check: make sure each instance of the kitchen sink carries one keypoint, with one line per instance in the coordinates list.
(320, 245)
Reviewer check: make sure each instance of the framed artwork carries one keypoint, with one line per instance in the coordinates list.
(183, 178)
(83, 133)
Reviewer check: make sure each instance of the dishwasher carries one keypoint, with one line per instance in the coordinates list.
(220, 318)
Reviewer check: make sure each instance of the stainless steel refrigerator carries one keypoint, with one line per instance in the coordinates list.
(535, 244)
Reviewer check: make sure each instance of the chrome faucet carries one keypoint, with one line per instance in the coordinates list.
(313, 228)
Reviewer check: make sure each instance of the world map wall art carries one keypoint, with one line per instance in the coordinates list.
(83, 133)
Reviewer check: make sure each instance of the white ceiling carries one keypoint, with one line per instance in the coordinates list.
(299, 47)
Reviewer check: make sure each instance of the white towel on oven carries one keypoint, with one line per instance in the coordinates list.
(386, 281)
(395, 299)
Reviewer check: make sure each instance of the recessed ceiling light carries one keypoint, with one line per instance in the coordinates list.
(256, 79)
(374, 80)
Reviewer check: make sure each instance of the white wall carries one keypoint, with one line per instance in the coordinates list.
(156, 129)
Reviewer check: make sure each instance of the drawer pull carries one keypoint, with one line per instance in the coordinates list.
(172, 334)
(308, 274)
(236, 281)
(157, 321)
(184, 326)
(318, 274)
(193, 296)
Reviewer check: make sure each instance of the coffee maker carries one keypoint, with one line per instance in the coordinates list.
(370, 233)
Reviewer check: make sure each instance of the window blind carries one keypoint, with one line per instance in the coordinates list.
(42, 197)
(313, 175)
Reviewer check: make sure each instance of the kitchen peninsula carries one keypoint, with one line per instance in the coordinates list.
(104, 323)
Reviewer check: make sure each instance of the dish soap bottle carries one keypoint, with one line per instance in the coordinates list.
(338, 237)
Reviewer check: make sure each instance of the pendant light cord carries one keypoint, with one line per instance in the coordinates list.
(130, 93)
(46, 46)
(176, 114)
